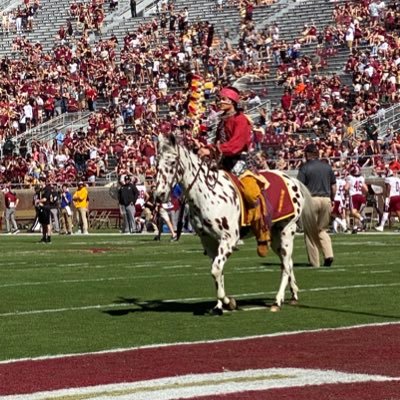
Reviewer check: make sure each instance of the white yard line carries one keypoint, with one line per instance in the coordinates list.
(207, 384)
(234, 339)
(237, 270)
(238, 296)
(376, 272)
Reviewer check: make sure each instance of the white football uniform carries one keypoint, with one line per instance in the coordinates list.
(142, 195)
(394, 183)
(356, 184)
(340, 192)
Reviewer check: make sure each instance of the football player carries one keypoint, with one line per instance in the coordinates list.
(392, 198)
(357, 189)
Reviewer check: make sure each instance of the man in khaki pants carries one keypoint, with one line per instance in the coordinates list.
(81, 203)
(320, 180)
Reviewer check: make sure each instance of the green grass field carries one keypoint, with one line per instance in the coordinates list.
(96, 292)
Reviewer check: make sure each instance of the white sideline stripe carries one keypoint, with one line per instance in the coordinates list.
(219, 383)
(185, 266)
(233, 339)
(116, 305)
(377, 272)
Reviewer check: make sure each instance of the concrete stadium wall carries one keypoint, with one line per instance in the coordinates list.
(99, 197)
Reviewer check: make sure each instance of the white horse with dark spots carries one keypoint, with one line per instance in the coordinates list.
(215, 215)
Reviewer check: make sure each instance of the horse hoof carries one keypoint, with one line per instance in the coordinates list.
(231, 305)
(293, 302)
(275, 308)
(216, 311)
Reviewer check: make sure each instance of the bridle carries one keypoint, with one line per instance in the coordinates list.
(196, 175)
(181, 167)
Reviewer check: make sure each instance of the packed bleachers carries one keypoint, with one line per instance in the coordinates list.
(134, 78)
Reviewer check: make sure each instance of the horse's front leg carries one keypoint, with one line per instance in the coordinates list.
(217, 271)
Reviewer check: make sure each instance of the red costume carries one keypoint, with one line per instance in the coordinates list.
(234, 135)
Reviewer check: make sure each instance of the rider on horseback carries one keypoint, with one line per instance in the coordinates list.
(233, 140)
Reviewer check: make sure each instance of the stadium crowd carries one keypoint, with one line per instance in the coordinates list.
(151, 70)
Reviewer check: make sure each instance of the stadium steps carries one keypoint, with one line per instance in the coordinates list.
(291, 21)
(51, 16)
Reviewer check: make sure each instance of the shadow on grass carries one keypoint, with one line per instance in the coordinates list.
(278, 264)
(354, 312)
(201, 308)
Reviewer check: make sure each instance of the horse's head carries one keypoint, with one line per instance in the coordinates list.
(169, 171)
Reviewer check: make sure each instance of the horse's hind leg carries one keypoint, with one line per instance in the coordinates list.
(282, 245)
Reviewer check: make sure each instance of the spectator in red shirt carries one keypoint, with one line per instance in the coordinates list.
(11, 201)
(286, 100)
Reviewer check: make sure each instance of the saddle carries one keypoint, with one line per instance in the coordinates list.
(275, 201)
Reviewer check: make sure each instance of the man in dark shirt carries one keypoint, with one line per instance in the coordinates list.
(133, 8)
(320, 180)
(42, 204)
(127, 196)
(371, 131)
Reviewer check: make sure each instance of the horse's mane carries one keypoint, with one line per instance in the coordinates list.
(184, 141)
(177, 143)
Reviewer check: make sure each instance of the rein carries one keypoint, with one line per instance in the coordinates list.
(188, 189)
(195, 178)
(196, 175)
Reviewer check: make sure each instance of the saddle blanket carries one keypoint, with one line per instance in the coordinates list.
(278, 201)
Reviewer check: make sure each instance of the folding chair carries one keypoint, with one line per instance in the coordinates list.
(92, 218)
(103, 220)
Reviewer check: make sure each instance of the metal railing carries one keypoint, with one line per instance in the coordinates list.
(383, 119)
(48, 130)
(113, 19)
(5, 5)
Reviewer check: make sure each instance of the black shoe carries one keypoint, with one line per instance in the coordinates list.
(328, 262)
(174, 238)
(156, 238)
(42, 240)
(48, 240)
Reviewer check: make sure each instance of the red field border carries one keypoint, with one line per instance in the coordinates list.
(372, 350)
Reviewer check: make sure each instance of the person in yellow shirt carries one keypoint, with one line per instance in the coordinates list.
(81, 203)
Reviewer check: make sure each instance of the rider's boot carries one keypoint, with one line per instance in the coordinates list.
(263, 237)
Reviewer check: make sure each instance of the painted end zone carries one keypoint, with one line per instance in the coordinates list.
(371, 350)
(340, 391)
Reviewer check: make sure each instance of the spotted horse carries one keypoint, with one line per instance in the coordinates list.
(215, 213)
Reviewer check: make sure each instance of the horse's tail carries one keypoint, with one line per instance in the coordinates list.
(308, 217)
